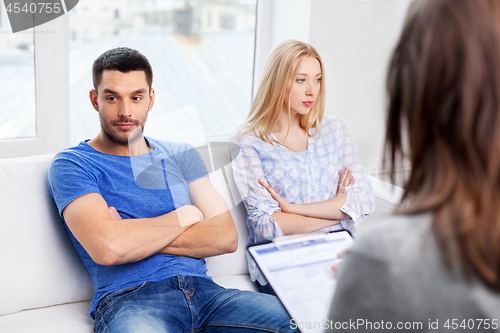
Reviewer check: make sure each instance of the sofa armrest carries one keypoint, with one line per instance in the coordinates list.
(387, 198)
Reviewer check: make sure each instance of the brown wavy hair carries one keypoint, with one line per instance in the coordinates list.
(443, 89)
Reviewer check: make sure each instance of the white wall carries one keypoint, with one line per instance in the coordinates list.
(279, 20)
(355, 39)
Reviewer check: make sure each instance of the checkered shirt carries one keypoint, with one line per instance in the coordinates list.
(298, 180)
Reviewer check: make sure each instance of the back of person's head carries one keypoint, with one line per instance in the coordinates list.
(271, 94)
(122, 59)
(444, 116)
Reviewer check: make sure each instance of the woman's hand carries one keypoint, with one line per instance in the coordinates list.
(340, 258)
(345, 179)
(285, 206)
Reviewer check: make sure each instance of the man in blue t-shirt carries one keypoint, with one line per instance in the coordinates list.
(142, 214)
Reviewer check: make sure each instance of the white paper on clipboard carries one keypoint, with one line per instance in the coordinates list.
(300, 271)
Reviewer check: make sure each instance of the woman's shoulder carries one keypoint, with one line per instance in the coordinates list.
(387, 238)
(239, 133)
(330, 119)
(244, 136)
(330, 123)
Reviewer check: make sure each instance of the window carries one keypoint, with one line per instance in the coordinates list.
(227, 21)
(201, 52)
(35, 88)
(17, 79)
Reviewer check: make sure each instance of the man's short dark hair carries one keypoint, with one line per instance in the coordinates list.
(122, 59)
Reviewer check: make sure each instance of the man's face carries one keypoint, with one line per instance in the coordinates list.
(123, 101)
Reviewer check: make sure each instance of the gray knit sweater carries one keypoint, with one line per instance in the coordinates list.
(394, 278)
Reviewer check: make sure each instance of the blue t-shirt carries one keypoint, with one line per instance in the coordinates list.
(142, 186)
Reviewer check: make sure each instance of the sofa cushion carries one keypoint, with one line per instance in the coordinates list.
(241, 282)
(387, 198)
(73, 317)
(39, 265)
(231, 263)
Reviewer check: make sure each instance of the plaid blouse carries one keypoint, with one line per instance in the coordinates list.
(298, 180)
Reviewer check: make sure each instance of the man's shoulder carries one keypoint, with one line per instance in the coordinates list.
(170, 147)
(182, 155)
(74, 154)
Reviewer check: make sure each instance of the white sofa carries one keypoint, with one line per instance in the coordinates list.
(45, 287)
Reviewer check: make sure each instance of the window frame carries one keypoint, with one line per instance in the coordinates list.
(52, 76)
(51, 48)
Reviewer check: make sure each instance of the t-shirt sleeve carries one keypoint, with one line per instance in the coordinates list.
(68, 180)
(191, 164)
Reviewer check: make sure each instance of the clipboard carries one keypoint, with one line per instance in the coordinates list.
(299, 268)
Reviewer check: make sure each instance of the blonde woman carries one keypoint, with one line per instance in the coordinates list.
(296, 170)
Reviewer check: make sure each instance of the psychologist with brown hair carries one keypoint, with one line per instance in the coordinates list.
(437, 260)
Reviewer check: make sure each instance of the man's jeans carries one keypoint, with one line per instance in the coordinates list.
(189, 304)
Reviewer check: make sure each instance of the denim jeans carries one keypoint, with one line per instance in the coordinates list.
(189, 304)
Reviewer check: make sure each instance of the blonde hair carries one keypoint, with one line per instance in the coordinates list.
(270, 97)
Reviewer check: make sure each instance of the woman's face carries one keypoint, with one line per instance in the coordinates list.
(303, 90)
